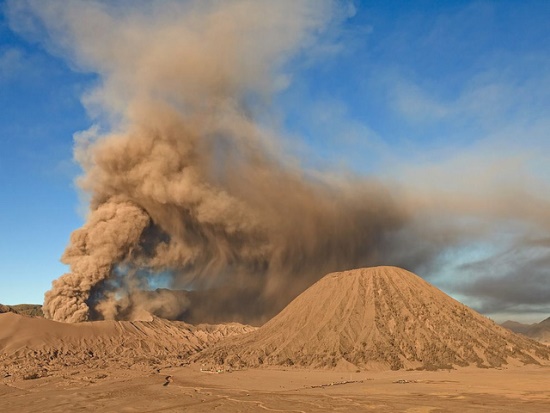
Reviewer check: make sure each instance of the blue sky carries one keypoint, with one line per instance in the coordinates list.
(40, 110)
(439, 93)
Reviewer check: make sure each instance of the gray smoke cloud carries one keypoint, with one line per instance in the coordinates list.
(515, 280)
(191, 184)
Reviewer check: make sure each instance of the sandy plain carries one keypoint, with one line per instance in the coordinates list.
(514, 389)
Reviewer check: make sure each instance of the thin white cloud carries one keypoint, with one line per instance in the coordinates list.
(416, 104)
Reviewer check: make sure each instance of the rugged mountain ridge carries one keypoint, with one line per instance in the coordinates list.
(537, 331)
(34, 310)
(38, 347)
(377, 318)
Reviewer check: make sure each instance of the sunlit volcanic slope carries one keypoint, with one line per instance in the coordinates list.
(39, 347)
(377, 318)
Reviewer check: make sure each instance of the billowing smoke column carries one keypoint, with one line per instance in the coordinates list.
(193, 187)
(188, 182)
(109, 236)
(202, 198)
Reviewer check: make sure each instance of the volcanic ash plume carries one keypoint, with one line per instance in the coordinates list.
(165, 199)
(188, 187)
(109, 236)
(193, 186)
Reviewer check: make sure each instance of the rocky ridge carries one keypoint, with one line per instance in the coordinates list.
(36, 347)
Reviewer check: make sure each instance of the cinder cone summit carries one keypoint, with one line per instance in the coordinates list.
(377, 318)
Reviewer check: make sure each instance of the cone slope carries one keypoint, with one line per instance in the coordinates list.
(377, 318)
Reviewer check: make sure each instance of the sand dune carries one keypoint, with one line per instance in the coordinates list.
(377, 318)
(35, 347)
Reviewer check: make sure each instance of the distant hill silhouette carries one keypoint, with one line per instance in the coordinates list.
(34, 310)
(538, 331)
